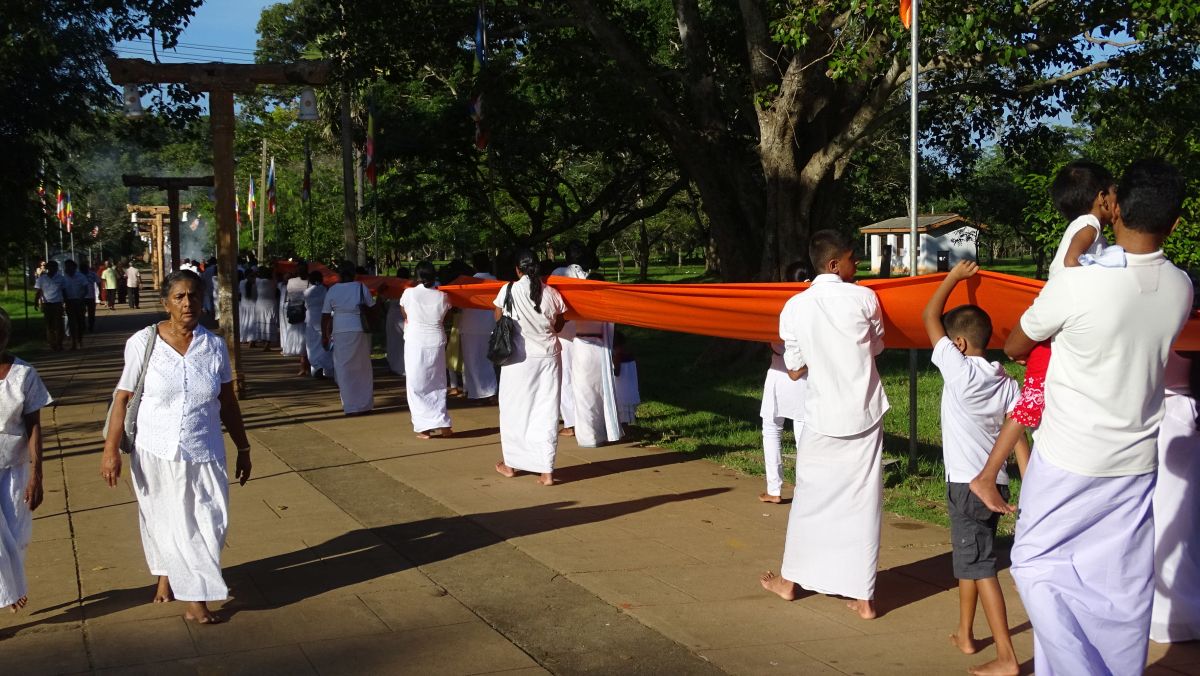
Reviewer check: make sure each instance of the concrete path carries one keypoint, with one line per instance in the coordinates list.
(358, 549)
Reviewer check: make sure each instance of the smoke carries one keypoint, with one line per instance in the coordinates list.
(193, 238)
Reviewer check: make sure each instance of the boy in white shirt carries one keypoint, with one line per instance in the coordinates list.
(1083, 558)
(832, 332)
(976, 396)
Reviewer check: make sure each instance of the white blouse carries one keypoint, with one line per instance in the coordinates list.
(342, 301)
(180, 415)
(21, 393)
(425, 309)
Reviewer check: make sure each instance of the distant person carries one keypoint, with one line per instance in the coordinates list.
(110, 285)
(210, 286)
(977, 394)
(782, 400)
(76, 287)
(266, 308)
(22, 398)
(247, 309)
(625, 369)
(93, 293)
(475, 326)
(832, 332)
(425, 309)
(292, 313)
(122, 286)
(394, 329)
(574, 269)
(530, 383)
(342, 327)
(133, 285)
(48, 295)
(320, 359)
(597, 420)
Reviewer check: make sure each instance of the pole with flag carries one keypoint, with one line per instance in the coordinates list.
(909, 16)
(250, 206)
(306, 192)
(70, 220)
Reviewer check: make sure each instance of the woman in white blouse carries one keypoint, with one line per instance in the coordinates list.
(530, 385)
(341, 325)
(424, 309)
(178, 462)
(291, 337)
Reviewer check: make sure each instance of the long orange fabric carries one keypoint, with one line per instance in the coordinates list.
(751, 311)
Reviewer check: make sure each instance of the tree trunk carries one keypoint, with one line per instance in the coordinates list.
(644, 251)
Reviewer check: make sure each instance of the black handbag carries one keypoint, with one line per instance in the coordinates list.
(501, 344)
(295, 313)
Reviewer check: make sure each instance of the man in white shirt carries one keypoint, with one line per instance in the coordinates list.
(49, 295)
(833, 331)
(76, 287)
(133, 287)
(1083, 558)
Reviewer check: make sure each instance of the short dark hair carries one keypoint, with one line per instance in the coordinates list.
(1151, 196)
(426, 274)
(481, 262)
(180, 276)
(1076, 185)
(970, 322)
(826, 245)
(797, 271)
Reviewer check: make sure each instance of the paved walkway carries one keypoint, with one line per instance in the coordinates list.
(358, 549)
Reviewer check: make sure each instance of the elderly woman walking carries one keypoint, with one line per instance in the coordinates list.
(342, 325)
(178, 460)
(424, 309)
(22, 397)
(530, 382)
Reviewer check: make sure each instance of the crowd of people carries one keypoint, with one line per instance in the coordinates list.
(1103, 555)
(67, 298)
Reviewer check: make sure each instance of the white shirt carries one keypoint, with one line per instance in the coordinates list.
(294, 290)
(424, 310)
(21, 393)
(976, 396)
(180, 414)
(571, 328)
(342, 301)
(133, 276)
(535, 328)
(1060, 256)
(836, 330)
(1112, 330)
(51, 287)
(314, 304)
(477, 322)
(76, 286)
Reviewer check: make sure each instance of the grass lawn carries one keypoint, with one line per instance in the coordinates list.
(27, 335)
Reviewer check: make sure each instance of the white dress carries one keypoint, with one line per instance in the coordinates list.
(21, 393)
(425, 356)
(247, 316)
(319, 359)
(475, 328)
(597, 420)
(267, 310)
(291, 340)
(394, 333)
(530, 386)
(566, 339)
(351, 346)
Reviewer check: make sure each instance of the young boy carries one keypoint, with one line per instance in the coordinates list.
(833, 331)
(1083, 558)
(976, 395)
(1084, 193)
(782, 400)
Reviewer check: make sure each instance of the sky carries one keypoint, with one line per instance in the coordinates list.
(221, 30)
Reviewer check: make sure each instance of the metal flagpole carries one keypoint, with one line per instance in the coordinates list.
(914, 246)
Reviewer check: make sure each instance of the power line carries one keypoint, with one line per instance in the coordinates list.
(196, 45)
(187, 56)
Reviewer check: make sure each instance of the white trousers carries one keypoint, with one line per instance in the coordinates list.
(183, 512)
(529, 405)
(772, 432)
(478, 371)
(352, 364)
(425, 384)
(16, 530)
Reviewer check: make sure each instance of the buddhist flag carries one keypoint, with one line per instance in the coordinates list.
(480, 38)
(250, 204)
(271, 188)
(237, 211)
(475, 109)
(306, 187)
(60, 208)
(68, 213)
(371, 146)
(906, 13)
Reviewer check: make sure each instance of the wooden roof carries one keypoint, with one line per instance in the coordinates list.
(925, 223)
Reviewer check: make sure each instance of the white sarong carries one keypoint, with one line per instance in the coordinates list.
(393, 331)
(183, 512)
(529, 405)
(16, 530)
(1083, 561)
(628, 394)
(566, 401)
(318, 357)
(478, 371)
(594, 387)
(266, 311)
(1176, 612)
(352, 369)
(292, 337)
(247, 324)
(832, 542)
(425, 382)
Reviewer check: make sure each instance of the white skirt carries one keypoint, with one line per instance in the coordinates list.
(183, 512)
(318, 356)
(247, 321)
(832, 542)
(1176, 613)
(628, 395)
(566, 401)
(292, 339)
(394, 332)
(425, 384)
(352, 367)
(266, 313)
(16, 530)
(529, 402)
(478, 371)
(596, 418)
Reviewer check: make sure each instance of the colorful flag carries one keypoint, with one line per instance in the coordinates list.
(906, 13)
(60, 208)
(480, 38)
(42, 196)
(68, 213)
(475, 109)
(306, 187)
(370, 154)
(271, 188)
(250, 204)
(237, 211)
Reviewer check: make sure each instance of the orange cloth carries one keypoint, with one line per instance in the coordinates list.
(751, 311)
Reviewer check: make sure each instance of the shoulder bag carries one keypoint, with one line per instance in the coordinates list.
(501, 344)
(295, 311)
(366, 313)
(129, 433)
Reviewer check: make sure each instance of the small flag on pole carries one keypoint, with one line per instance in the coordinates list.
(60, 208)
(250, 204)
(271, 188)
(237, 211)
(68, 213)
(906, 13)
(306, 187)
(371, 169)
(480, 38)
(475, 109)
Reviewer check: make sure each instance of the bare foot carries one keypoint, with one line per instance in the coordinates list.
(777, 584)
(567, 432)
(422, 435)
(966, 644)
(996, 668)
(767, 497)
(163, 593)
(546, 479)
(199, 613)
(302, 373)
(19, 604)
(865, 609)
(447, 432)
(505, 470)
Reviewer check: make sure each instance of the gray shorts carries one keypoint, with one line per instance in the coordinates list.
(972, 532)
